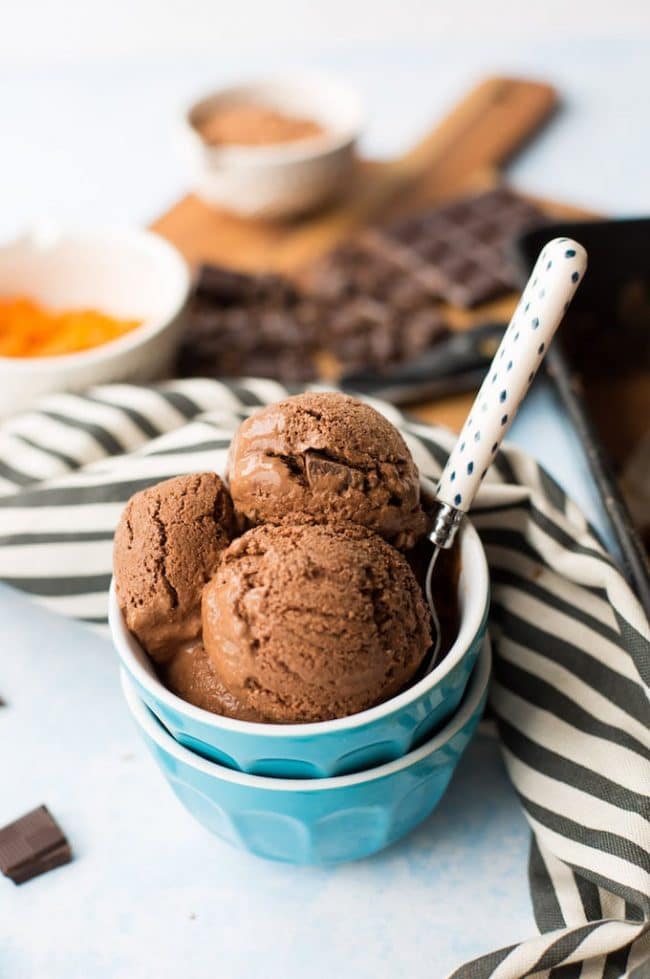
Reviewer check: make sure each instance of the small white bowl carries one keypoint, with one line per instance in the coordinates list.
(282, 179)
(128, 274)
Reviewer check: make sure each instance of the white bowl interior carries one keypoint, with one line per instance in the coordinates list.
(154, 729)
(473, 591)
(133, 275)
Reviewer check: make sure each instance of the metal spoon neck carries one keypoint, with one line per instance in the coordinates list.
(447, 521)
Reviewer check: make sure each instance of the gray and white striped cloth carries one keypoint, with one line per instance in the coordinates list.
(572, 645)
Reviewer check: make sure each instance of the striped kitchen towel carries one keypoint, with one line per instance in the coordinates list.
(572, 645)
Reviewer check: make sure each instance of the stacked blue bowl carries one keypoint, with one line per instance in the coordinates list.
(329, 791)
(316, 821)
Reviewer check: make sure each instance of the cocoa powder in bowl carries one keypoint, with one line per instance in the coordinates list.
(246, 124)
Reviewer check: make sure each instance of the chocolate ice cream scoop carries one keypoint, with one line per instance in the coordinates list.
(331, 456)
(311, 622)
(167, 545)
(190, 675)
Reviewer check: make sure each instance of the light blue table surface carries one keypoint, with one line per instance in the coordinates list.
(149, 892)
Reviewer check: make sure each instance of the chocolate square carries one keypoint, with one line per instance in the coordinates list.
(32, 845)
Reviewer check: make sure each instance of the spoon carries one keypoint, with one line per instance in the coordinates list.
(546, 298)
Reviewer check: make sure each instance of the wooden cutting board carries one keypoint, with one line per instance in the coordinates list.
(464, 152)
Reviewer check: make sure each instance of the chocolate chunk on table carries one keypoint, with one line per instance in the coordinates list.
(463, 246)
(32, 845)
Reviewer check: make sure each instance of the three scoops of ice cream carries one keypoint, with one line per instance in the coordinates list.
(284, 596)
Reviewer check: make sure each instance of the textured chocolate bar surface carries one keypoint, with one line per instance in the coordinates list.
(361, 306)
(463, 246)
(373, 302)
(378, 307)
(240, 324)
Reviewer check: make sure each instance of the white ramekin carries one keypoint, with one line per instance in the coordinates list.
(283, 179)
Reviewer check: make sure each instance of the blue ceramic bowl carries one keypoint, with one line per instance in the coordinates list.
(321, 750)
(316, 820)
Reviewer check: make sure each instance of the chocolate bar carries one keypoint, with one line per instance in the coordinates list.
(240, 324)
(462, 247)
(371, 303)
(378, 309)
(359, 306)
(32, 845)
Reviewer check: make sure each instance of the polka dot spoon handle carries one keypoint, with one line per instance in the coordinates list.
(555, 278)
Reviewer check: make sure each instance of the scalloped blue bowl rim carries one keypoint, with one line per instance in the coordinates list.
(153, 729)
(473, 621)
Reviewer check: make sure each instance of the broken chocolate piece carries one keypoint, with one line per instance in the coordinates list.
(223, 285)
(242, 324)
(371, 303)
(32, 845)
(378, 306)
(462, 247)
